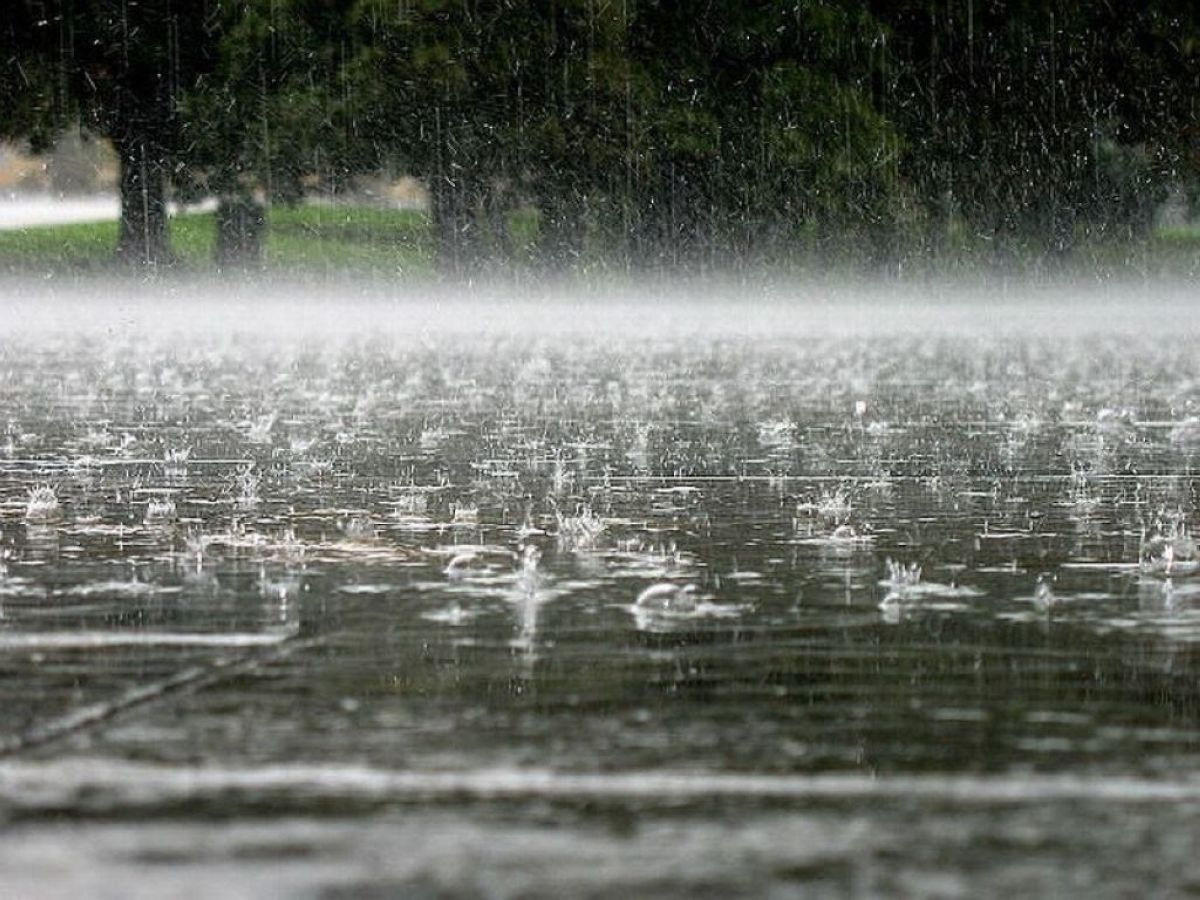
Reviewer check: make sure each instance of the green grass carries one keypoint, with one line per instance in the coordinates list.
(83, 246)
(350, 239)
(365, 241)
(1180, 233)
(302, 239)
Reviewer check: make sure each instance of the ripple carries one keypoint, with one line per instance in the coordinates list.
(63, 784)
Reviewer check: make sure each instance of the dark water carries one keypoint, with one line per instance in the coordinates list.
(357, 614)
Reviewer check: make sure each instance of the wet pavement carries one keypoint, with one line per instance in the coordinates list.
(449, 609)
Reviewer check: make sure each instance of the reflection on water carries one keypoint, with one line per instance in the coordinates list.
(744, 563)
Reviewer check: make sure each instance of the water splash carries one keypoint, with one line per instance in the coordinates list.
(480, 562)
(247, 484)
(580, 531)
(160, 511)
(175, 461)
(258, 431)
(42, 507)
(357, 528)
(905, 585)
(1043, 594)
(900, 577)
(464, 515)
(668, 597)
(1170, 550)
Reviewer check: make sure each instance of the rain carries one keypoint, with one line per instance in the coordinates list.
(533, 450)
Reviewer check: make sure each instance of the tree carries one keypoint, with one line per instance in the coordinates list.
(116, 67)
(651, 132)
(441, 85)
(645, 133)
(270, 115)
(1034, 124)
(751, 132)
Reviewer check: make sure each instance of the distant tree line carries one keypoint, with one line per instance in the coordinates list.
(636, 133)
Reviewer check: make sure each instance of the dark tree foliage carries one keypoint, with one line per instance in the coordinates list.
(272, 117)
(653, 133)
(1037, 124)
(706, 134)
(761, 133)
(494, 104)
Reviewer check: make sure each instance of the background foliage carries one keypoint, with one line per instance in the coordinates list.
(635, 134)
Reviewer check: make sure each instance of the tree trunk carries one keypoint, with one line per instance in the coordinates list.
(456, 231)
(562, 229)
(143, 234)
(650, 232)
(495, 205)
(241, 224)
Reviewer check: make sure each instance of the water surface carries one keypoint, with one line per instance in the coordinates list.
(909, 623)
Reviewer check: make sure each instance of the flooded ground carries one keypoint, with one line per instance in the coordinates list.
(690, 601)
